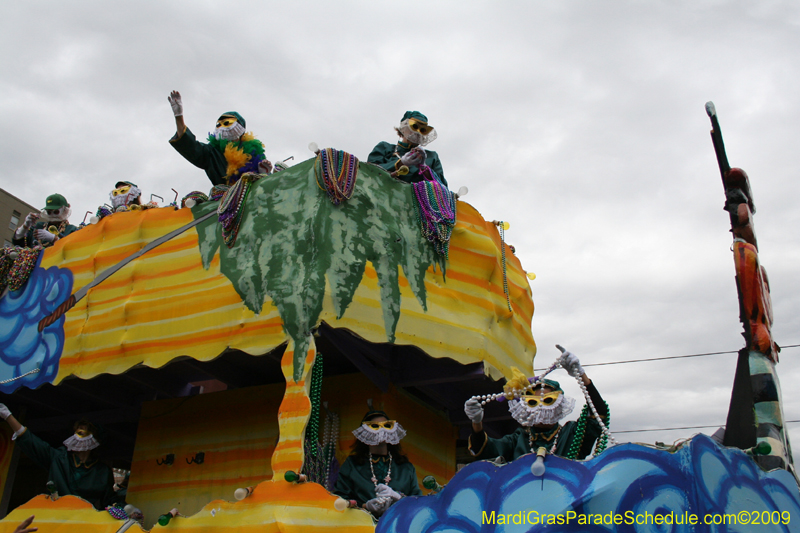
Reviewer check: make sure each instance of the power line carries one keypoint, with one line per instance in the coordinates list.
(685, 427)
(663, 358)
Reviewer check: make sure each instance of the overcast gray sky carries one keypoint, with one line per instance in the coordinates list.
(580, 123)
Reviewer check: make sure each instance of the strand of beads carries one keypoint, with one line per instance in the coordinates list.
(485, 398)
(103, 211)
(386, 479)
(503, 253)
(217, 192)
(552, 448)
(329, 442)
(580, 431)
(22, 268)
(230, 209)
(315, 394)
(436, 210)
(536, 379)
(6, 262)
(314, 465)
(606, 433)
(326, 435)
(196, 196)
(602, 442)
(26, 374)
(339, 170)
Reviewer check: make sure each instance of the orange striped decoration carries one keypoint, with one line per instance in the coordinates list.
(294, 412)
(165, 304)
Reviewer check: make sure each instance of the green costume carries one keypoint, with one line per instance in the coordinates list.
(523, 439)
(93, 481)
(29, 241)
(355, 480)
(247, 154)
(385, 157)
(202, 156)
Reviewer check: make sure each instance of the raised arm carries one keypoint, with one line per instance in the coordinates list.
(33, 446)
(177, 109)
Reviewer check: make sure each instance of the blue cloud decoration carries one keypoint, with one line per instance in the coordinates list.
(629, 481)
(22, 347)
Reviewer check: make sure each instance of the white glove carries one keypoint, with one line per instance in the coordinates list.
(44, 236)
(265, 167)
(5, 412)
(414, 157)
(385, 491)
(570, 363)
(474, 410)
(377, 506)
(30, 220)
(176, 103)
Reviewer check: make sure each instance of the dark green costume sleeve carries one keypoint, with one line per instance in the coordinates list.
(202, 156)
(346, 482)
(68, 230)
(384, 156)
(21, 241)
(37, 450)
(509, 447)
(410, 482)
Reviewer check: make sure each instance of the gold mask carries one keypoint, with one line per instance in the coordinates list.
(419, 126)
(535, 400)
(121, 191)
(376, 426)
(225, 122)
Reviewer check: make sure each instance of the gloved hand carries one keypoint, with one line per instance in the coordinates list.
(5, 412)
(30, 220)
(385, 491)
(265, 167)
(413, 157)
(474, 410)
(377, 506)
(570, 363)
(44, 236)
(176, 103)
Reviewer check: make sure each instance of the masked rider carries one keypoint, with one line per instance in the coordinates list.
(414, 133)
(73, 468)
(124, 196)
(538, 411)
(377, 473)
(47, 227)
(230, 151)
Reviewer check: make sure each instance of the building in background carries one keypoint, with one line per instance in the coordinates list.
(12, 212)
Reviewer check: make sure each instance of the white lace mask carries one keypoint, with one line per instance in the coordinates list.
(373, 437)
(231, 133)
(545, 415)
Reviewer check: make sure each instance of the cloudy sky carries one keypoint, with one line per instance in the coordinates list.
(580, 123)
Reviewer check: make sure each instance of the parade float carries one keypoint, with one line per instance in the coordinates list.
(228, 348)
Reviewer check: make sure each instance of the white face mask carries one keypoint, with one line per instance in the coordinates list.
(81, 443)
(373, 436)
(416, 137)
(124, 195)
(230, 133)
